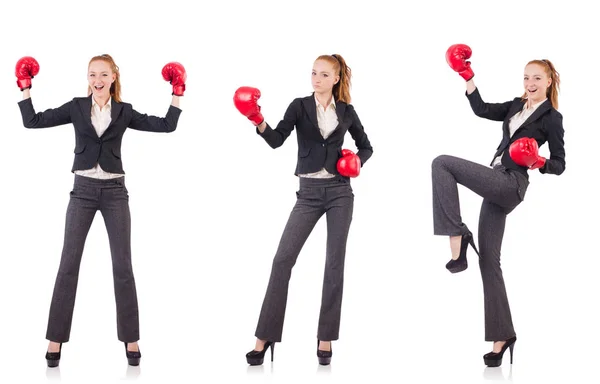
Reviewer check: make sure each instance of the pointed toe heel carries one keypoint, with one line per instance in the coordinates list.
(493, 359)
(255, 357)
(461, 264)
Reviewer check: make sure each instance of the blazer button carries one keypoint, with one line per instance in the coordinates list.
(322, 145)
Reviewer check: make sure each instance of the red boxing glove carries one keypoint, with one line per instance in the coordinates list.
(539, 163)
(27, 67)
(175, 74)
(456, 57)
(349, 164)
(524, 152)
(245, 100)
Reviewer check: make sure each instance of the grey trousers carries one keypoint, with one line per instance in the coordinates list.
(502, 191)
(334, 198)
(111, 198)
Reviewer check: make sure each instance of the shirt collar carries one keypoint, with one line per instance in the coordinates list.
(536, 105)
(107, 105)
(332, 102)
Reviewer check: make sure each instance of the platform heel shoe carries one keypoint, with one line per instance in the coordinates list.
(53, 358)
(324, 356)
(255, 357)
(460, 264)
(133, 358)
(494, 359)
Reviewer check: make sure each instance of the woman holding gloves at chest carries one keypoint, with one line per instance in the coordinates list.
(529, 121)
(99, 120)
(324, 170)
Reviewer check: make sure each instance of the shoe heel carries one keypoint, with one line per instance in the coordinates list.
(272, 351)
(494, 359)
(255, 357)
(461, 263)
(472, 242)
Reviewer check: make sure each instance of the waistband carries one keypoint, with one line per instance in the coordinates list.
(328, 182)
(83, 180)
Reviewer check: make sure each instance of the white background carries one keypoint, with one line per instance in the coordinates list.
(209, 202)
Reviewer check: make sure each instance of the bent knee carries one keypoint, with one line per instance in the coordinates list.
(440, 161)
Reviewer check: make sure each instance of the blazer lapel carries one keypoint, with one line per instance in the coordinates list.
(310, 106)
(545, 106)
(86, 111)
(115, 110)
(515, 108)
(340, 111)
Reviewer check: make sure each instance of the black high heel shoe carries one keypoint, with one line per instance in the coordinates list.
(324, 356)
(494, 359)
(460, 264)
(133, 358)
(255, 357)
(53, 358)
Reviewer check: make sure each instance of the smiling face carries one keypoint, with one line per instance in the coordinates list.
(536, 83)
(100, 78)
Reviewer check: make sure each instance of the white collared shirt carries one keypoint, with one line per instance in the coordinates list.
(328, 121)
(101, 119)
(516, 121)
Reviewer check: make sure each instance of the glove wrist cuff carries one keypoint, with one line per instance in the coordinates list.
(178, 90)
(24, 84)
(467, 74)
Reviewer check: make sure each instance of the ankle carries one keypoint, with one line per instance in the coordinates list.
(455, 242)
(260, 344)
(325, 345)
(54, 347)
(497, 348)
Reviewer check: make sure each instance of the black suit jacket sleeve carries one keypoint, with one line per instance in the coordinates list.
(365, 150)
(276, 137)
(49, 118)
(144, 122)
(555, 136)
(490, 111)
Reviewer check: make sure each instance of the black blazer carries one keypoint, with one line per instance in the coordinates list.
(315, 152)
(545, 124)
(89, 148)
